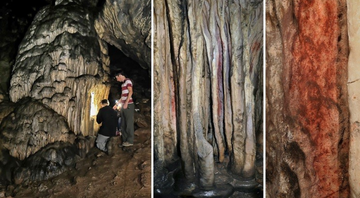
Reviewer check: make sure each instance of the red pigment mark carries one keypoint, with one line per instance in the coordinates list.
(255, 46)
(313, 91)
(220, 80)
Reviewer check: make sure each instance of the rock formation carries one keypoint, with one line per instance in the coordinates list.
(30, 127)
(307, 116)
(13, 27)
(207, 90)
(62, 62)
(126, 24)
(353, 96)
(60, 74)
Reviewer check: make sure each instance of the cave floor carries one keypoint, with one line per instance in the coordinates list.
(125, 172)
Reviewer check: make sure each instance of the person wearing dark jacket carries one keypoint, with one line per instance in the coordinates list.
(107, 117)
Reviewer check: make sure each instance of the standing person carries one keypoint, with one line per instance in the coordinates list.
(108, 119)
(127, 109)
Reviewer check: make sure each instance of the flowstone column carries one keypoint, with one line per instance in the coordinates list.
(209, 55)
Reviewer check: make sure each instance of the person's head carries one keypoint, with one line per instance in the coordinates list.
(119, 76)
(105, 102)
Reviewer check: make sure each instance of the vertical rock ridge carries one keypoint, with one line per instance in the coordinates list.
(307, 113)
(61, 61)
(207, 63)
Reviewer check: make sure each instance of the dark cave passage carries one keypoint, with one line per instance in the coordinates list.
(140, 76)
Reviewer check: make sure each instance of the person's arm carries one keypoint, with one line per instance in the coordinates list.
(99, 117)
(128, 98)
(115, 107)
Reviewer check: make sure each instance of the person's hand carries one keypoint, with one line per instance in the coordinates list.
(115, 107)
(125, 106)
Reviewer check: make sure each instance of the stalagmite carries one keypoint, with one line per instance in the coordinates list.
(63, 77)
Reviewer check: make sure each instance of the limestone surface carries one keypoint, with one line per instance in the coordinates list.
(30, 127)
(207, 98)
(126, 24)
(64, 64)
(307, 126)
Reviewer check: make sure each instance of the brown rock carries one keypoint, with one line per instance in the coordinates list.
(307, 110)
(206, 81)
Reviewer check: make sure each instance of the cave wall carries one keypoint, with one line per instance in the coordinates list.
(353, 96)
(62, 62)
(307, 116)
(207, 86)
(126, 24)
(14, 24)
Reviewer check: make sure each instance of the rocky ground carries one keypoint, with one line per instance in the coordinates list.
(125, 172)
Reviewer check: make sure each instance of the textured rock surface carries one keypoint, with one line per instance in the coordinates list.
(126, 24)
(16, 23)
(307, 109)
(60, 74)
(30, 127)
(207, 66)
(50, 161)
(354, 96)
(62, 62)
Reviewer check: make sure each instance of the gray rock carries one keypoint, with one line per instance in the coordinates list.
(207, 77)
(64, 64)
(49, 162)
(31, 126)
(126, 24)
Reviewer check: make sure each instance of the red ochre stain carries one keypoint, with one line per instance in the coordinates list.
(255, 47)
(313, 91)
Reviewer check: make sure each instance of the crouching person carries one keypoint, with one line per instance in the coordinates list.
(107, 117)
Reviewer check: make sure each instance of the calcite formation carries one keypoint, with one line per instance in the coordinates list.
(207, 71)
(60, 74)
(126, 24)
(32, 126)
(307, 108)
(63, 63)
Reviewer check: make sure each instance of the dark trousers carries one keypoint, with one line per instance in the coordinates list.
(127, 124)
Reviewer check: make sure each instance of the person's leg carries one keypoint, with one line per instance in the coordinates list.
(119, 126)
(129, 114)
(101, 141)
(123, 126)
